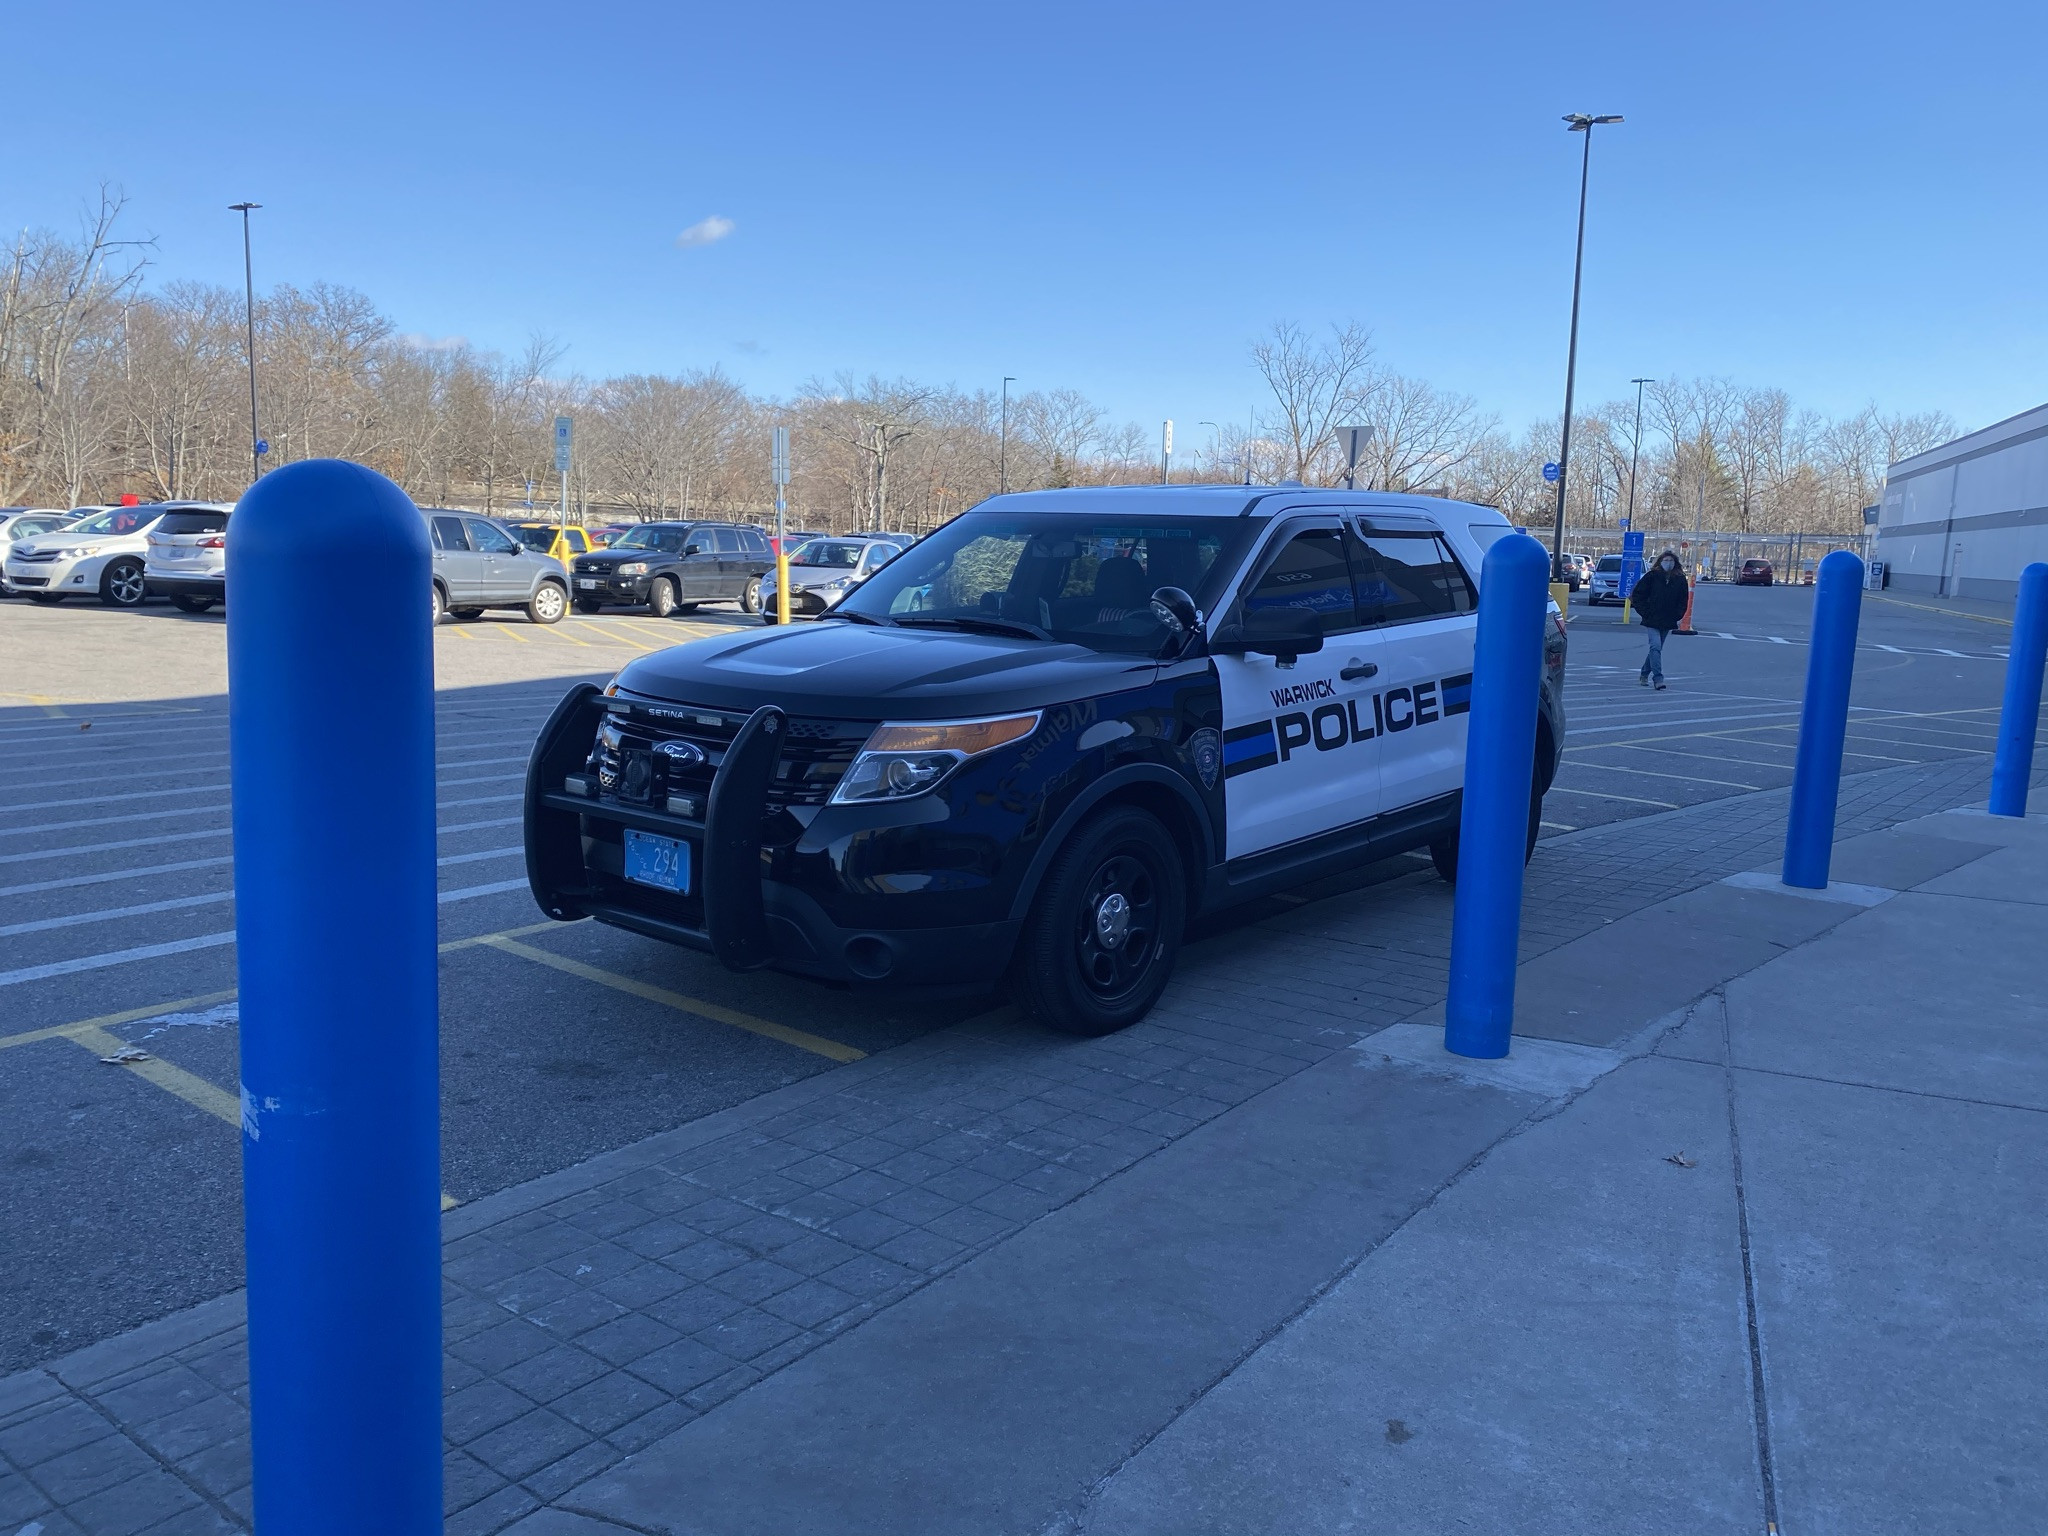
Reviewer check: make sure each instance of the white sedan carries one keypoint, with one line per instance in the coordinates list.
(100, 556)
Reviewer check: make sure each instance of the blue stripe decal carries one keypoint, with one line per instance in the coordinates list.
(1257, 743)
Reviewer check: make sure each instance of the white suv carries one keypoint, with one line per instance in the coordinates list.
(188, 557)
(101, 554)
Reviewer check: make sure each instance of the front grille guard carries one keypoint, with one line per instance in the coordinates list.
(735, 921)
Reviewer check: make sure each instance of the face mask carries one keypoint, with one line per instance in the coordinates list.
(1670, 565)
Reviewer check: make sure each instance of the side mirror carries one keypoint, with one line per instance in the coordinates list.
(692, 549)
(1282, 633)
(1176, 611)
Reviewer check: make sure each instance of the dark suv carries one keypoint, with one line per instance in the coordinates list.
(672, 567)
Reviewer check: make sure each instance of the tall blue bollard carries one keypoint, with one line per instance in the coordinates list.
(1500, 759)
(1823, 722)
(331, 717)
(2012, 768)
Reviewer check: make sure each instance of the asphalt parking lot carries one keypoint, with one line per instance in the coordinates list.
(560, 1041)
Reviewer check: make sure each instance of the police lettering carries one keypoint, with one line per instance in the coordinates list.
(1292, 731)
(1340, 723)
(1400, 696)
(1302, 693)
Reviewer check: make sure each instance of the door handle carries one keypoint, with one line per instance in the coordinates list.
(1358, 669)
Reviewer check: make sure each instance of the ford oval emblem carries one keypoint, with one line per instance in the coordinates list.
(682, 754)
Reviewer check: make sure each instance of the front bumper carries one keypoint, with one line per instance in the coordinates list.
(76, 575)
(802, 604)
(603, 587)
(804, 904)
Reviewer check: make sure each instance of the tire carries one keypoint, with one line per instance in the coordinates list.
(661, 598)
(438, 606)
(1443, 853)
(48, 599)
(585, 605)
(185, 604)
(122, 585)
(750, 596)
(464, 615)
(1065, 973)
(548, 604)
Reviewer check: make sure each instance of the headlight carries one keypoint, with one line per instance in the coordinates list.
(903, 760)
(633, 568)
(79, 552)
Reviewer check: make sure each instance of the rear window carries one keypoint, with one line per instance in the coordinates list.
(1609, 563)
(538, 539)
(204, 521)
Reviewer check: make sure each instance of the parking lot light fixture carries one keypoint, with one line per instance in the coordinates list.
(1575, 122)
(1003, 440)
(256, 444)
(1635, 450)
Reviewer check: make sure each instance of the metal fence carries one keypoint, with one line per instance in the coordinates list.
(1715, 556)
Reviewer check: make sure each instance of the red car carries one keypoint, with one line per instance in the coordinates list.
(1754, 573)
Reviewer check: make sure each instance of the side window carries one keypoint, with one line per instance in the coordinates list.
(576, 545)
(1413, 576)
(490, 540)
(727, 541)
(448, 533)
(1309, 572)
(757, 545)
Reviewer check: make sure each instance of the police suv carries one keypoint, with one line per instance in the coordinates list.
(1039, 742)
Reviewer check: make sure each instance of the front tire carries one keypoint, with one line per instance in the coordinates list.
(437, 607)
(661, 598)
(1105, 927)
(750, 596)
(123, 585)
(548, 604)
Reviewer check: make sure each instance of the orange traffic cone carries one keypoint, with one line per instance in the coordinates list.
(1685, 622)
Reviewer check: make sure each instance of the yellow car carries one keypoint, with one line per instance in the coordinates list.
(553, 539)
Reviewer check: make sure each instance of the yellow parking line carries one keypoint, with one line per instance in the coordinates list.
(556, 632)
(638, 645)
(816, 1044)
(106, 1020)
(194, 1090)
(1981, 618)
(667, 634)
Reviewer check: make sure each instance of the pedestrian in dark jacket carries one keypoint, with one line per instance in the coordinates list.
(1659, 601)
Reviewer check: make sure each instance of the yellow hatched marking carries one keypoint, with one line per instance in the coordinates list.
(816, 1044)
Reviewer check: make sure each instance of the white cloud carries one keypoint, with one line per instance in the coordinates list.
(706, 231)
(427, 343)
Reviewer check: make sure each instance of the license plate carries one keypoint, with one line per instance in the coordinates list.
(662, 862)
(586, 582)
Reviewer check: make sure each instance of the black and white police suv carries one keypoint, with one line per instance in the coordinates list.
(1038, 742)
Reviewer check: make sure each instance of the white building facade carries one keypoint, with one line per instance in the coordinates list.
(1964, 519)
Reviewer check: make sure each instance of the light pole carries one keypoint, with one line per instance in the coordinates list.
(1576, 122)
(1635, 449)
(256, 444)
(1003, 449)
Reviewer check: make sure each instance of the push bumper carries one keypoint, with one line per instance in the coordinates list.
(575, 867)
(609, 589)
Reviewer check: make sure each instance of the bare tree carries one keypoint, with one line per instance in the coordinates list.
(1315, 385)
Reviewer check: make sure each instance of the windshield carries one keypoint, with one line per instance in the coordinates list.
(538, 539)
(668, 540)
(834, 554)
(1610, 562)
(1061, 576)
(118, 521)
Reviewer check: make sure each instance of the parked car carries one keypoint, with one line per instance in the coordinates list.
(1604, 586)
(546, 538)
(1578, 570)
(479, 565)
(672, 567)
(25, 523)
(187, 556)
(1755, 573)
(794, 541)
(101, 554)
(825, 570)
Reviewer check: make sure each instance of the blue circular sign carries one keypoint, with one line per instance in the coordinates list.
(1551, 471)
(262, 446)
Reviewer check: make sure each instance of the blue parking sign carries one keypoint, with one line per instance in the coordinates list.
(1631, 564)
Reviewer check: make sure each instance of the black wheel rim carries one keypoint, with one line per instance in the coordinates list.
(1117, 928)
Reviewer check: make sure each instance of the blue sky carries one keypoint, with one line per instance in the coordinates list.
(1842, 200)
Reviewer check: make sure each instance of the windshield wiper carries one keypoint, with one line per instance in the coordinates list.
(860, 618)
(983, 626)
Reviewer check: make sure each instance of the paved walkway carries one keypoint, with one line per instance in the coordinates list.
(1270, 1260)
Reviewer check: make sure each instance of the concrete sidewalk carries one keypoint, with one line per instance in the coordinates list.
(1746, 1224)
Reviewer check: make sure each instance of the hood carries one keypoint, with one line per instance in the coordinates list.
(866, 672)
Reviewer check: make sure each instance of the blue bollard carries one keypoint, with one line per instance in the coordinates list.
(1823, 722)
(1493, 834)
(331, 722)
(2019, 717)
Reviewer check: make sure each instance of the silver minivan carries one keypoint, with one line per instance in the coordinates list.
(478, 565)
